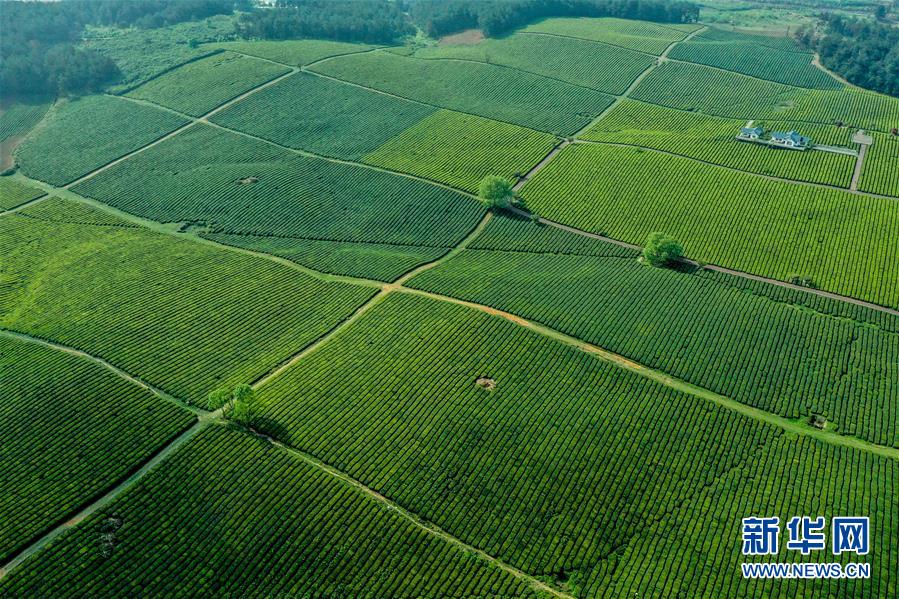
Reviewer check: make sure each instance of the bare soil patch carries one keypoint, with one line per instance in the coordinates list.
(469, 37)
(486, 383)
(248, 180)
(6, 149)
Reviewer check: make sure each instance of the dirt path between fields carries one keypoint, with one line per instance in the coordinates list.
(859, 161)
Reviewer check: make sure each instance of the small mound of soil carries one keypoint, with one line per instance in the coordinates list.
(248, 180)
(486, 383)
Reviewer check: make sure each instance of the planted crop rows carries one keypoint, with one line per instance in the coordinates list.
(234, 185)
(199, 86)
(62, 150)
(381, 261)
(880, 170)
(183, 316)
(652, 38)
(13, 193)
(326, 117)
(713, 139)
(785, 479)
(840, 241)
(432, 148)
(19, 118)
(231, 514)
(521, 471)
(708, 331)
(788, 65)
(698, 88)
(70, 428)
(598, 66)
(487, 90)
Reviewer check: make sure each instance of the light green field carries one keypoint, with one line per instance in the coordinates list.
(581, 62)
(69, 429)
(183, 316)
(14, 193)
(741, 221)
(643, 36)
(713, 91)
(326, 117)
(60, 151)
(713, 139)
(486, 90)
(199, 86)
(880, 170)
(432, 148)
(278, 525)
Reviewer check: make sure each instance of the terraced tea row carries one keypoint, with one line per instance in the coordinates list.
(278, 526)
(432, 149)
(712, 91)
(14, 193)
(61, 152)
(598, 66)
(695, 550)
(652, 38)
(69, 429)
(237, 186)
(743, 54)
(708, 331)
(713, 139)
(326, 117)
(880, 170)
(199, 86)
(486, 90)
(498, 416)
(840, 241)
(183, 316)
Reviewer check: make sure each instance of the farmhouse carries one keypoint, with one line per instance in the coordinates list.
(751, 132)
(790, 139)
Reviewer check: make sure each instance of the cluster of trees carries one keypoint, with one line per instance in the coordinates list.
(368, 21)
(239, 404)
(864, 52)
(38, 53)
(497, 17)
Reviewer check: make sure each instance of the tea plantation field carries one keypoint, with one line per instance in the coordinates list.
(367, 317)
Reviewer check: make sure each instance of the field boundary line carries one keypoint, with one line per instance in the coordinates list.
(168, 229)
(670, 381)
(661, 58)
(584, 39)
(107, 497)
(24, 205)
(26, 338)
(715, 267)
(191, 122)
(739, 170)
(419, 521)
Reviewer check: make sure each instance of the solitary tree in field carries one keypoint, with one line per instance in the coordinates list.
(246, 404)
(239, 404)
(496, 192)
(662, 249)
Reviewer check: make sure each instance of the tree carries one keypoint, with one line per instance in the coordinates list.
(246, 405)
(218, 398)
(240, 404)
(496, 192)
(661, 249)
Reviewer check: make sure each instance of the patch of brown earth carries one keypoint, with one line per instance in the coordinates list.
(469, 37)
(6, 148)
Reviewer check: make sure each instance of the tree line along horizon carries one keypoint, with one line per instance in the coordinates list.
(40, 54)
